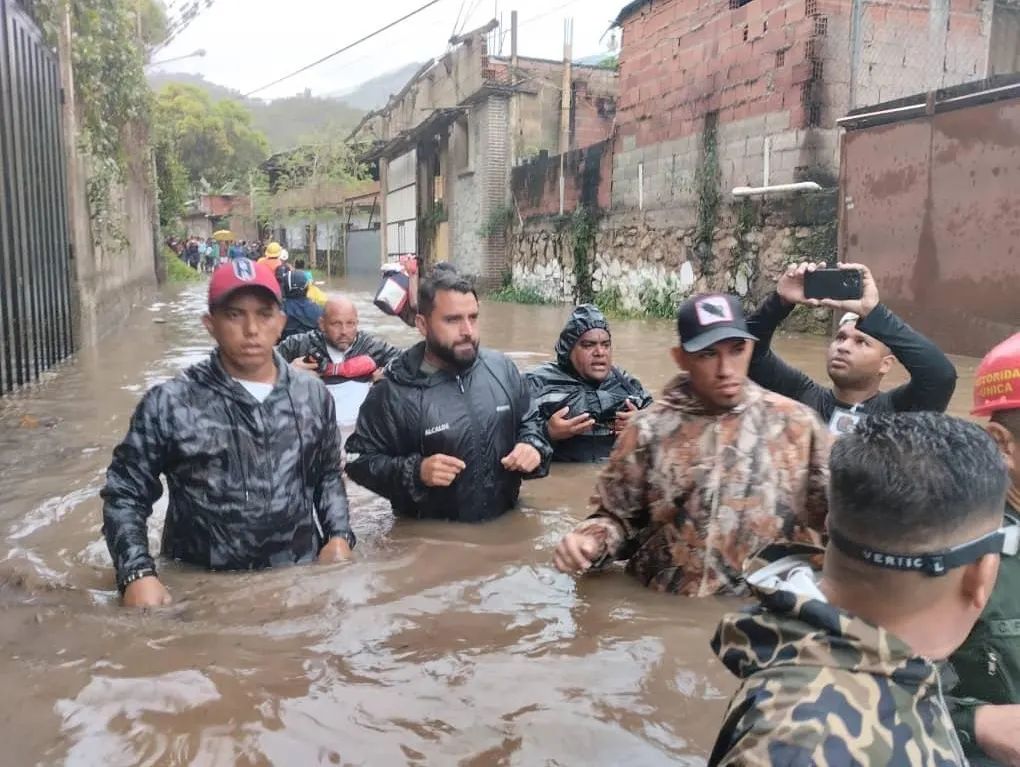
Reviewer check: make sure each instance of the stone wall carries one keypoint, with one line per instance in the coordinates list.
(647, 264)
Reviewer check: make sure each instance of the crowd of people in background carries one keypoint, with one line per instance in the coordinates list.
(204, 255)
(869, 527)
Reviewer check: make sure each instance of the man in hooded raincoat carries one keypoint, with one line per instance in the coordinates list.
(585, 400)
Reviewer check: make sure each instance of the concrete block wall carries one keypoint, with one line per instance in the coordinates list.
(772, 68)
(908, 47)
(681, 61)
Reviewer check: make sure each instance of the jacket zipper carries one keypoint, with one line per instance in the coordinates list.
(268, 459)
(713, 515)
(947, 722)
(474, 435)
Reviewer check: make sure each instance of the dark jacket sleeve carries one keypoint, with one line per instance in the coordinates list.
(381, 352)
(767, 369)
(133, 485)
(932, 375)
(381, 454)
(641, 392)
(297, 346)
(532, 428)
(330, 495)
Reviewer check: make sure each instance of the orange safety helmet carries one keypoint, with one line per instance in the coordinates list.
(997, 384)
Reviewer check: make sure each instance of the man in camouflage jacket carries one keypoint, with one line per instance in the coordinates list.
(710, 473)
(836, 666)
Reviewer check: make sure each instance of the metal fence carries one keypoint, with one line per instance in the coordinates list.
(35, 290)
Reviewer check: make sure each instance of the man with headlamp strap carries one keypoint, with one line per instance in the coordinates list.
(838, 665)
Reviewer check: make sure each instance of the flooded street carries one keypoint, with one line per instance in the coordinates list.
(439, 644)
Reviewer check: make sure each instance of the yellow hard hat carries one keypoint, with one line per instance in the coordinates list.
(273, 249)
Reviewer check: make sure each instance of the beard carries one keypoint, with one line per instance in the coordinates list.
(460, 359)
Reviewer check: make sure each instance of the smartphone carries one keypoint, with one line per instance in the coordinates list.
(837, 284)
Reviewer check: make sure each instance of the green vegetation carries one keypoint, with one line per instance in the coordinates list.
(584, 227)
(707, 180)
(499, 221)
(657, 300)
(610, 62)
(176, 270)
(214, 141)
(286, 123)
(110, 43)
(510, 294)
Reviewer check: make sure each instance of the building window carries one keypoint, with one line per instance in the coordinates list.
(821, 25)
(810, 7)
(780, 59)
(734, 4)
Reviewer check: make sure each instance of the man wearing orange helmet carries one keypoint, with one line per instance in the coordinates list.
(985, 704)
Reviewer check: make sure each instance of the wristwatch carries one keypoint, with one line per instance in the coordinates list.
(135, 575)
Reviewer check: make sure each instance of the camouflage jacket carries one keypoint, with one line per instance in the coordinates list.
(821, 687)
(689, 494)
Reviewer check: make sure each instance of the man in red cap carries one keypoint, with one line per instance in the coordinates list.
(985, 704)
(249, 448)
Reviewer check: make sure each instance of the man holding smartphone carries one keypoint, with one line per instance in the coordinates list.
(869, 339)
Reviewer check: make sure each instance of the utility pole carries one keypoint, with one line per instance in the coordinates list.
(566, 94)
(515, 128)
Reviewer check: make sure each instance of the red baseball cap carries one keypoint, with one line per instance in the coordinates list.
(241, 273)
(997, 383)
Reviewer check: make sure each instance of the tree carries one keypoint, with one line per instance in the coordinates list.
(214, 141)
(309, 182)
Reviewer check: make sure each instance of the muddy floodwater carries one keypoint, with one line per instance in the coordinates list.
(439, 644)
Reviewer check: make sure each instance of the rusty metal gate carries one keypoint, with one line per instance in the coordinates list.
(35, 289)
(930, 189)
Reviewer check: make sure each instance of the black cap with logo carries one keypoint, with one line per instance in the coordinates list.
(709, 318)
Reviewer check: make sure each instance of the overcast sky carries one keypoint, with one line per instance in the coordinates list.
(250, 43)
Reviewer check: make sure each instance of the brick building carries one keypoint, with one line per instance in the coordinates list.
(447, 141)
(782, 70)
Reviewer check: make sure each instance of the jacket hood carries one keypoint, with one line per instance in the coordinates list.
(793, 627)
(677, 395)
(406, 370)
(210, 373)
(584, 318)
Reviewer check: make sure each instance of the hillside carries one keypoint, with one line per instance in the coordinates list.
(373, 93)
(286, 122)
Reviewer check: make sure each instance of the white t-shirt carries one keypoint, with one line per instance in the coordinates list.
(260, 391)
(335, 355)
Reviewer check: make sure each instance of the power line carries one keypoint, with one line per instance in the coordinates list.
(369, 36)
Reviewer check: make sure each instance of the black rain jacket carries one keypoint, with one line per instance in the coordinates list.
(313, 343)
(556, 385)
(477, 416)
(251, 485)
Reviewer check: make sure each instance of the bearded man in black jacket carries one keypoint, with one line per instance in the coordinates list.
(451, 429)
(249, 448)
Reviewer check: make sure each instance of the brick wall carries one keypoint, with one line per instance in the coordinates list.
(535, 184)
(771, 68)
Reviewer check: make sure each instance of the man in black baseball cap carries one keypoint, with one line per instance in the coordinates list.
(714, 469)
